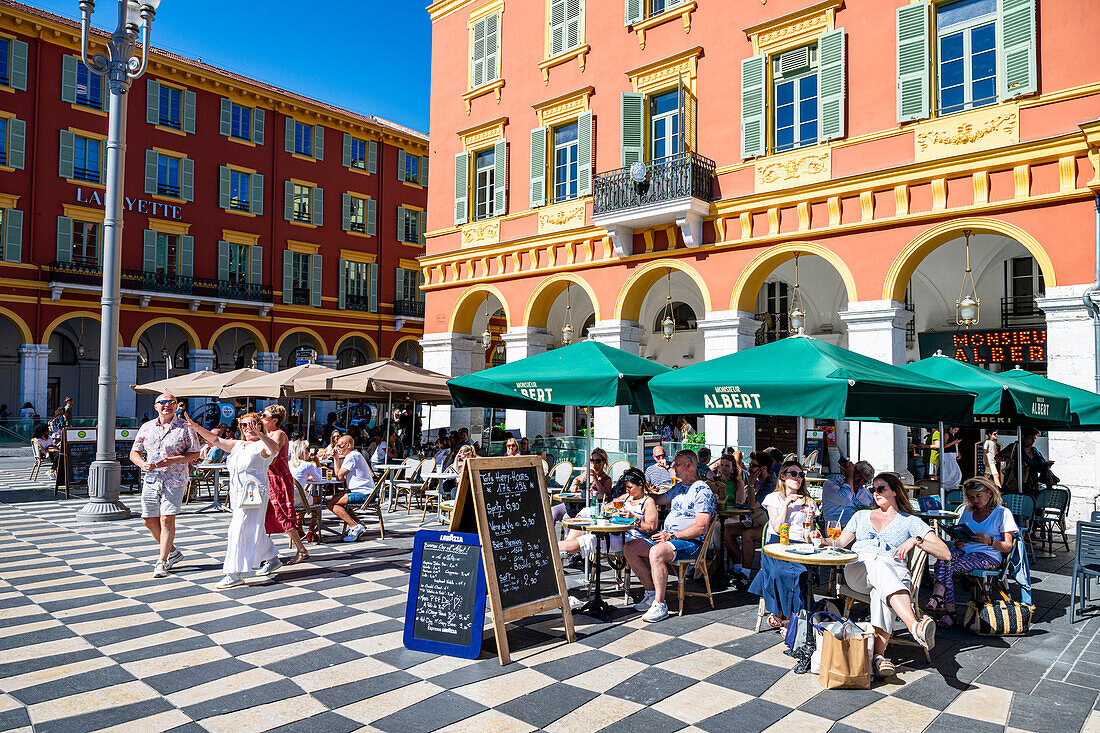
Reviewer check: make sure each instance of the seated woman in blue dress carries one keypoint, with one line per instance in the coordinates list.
(780, 583)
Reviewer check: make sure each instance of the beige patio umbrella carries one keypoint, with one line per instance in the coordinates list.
(212, 384)
(276, 384)
(172, 384)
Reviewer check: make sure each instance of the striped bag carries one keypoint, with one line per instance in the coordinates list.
(1003, 617)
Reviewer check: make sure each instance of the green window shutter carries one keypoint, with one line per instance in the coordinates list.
(187, 256)
(152, 102)
(225, 118)
(152, 158)
(462, 188)
(225, 186)
(538, 166)
(317, 207)
(149, 251)
(13, 235)
(19, 65)
(635, 11)
(318, 142)
(288, 141)
(492, 46)
(832, 55)
(913, 55)
(477, 55)
(66, 154)
(345, 212)
(187, 179)
(17, 142)
(223, 261)
(557, 27)
(342, 295)
(423, 228)
(500, 176)
(373, 302)
(288, 200)
(258, 117)
(372, 156)
(753, 110)
(572, 24)
(64, 239)
(315, 281)
(399, 287)
(400, 164)
(68, 79)
(584, 154)
(632, 132)
(400, 223)
(256, 264)
(189, 111)
(371, 217)
(673, 4)
(256, 201)
(1016, 48)
(288, 276)
(424, 171)
(347, 151)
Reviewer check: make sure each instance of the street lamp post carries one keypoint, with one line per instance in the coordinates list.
(120, 66)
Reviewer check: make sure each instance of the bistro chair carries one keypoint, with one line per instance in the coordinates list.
(1086, 565)
(39, 460)
(618, 468)
(812, 463)
(954, 499)
(373, 505)
(434, 496)
(304, 506)
(401, 481)
(918, 562)
(1022, 507)
(982, 582)
(1051, 506)
(561, 473)
(698, 565)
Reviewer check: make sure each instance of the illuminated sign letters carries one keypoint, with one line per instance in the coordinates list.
(1004, 346)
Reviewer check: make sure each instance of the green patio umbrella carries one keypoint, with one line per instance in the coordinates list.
(1084, 406)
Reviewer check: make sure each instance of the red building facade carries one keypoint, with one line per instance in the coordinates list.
(260, 226)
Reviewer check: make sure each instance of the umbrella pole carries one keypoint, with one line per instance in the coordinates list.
(943, 495)
(428, 430)
(800, 439)
(1019, 459)
(412, 428)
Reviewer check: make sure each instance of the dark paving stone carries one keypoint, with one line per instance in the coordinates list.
(543, 707)
(1067, 692)
(837, 704)
(12, 669)
(105, 718)
(327, 721)
(403, 658)
(576, 664)
(72, 685)
(127, 632)
(304, 597)
(603, 635)
(365, 632)
(664, 651)
(1014, 673)
(32, 638)
(65, 604)
(252, 697)
(235, 621)
(321, 658)
(932, 690)
(15, 601)
(476, 672)
(247, 646)
(679, 625)
(48, 573)
(314, 619)
(752, 715)
(397, 610)
(647, 720)
(116, 613)
(1090, 681)
(170, 594)
(749, 646)
(181, 679)
(751, 678)
(162, 650)
(1041, 714)
(368, 687)
(845, 728)
(650, 686)
(436, 712)
(16, 718)
(947, 723)
(374, 595)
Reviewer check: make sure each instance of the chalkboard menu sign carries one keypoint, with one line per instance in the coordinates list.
(78, 452)
(445, 611)
(506, 500)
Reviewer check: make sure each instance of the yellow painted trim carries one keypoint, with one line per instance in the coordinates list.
(493, 86)
(662, 74)
(19, 323)
(235, 237)
(88, 134)
(86, 184)
(410, 206)
(300, 182)
(793, 29)
(307, 225)
(235, 212)
(170, 153)
(7, 115)
(83, 213)
(92, 315)
(464, 310)
(90, 110)
(356, 334)
(172, 130)
(407, 264)
(302, 247)
(168, 227)
(485, 11)
(628, 306)
(410, 184)
(306, 158)
(361, 235)
(246, 143)
(354, 255)
(414, 339)
(563, 108)
(10, 200)
(301, 329)
(240, 168)
(754, 274)
(907, 261)
(580, 53)
(443, 8)
(357, 195)
(193, 340)
(550, 288)
(258, 338)
(483, 135)
(171, 199)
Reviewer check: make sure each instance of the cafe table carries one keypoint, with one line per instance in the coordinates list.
(721, 579)
(387, 469)
(436, 478)
(216, 471)
(938, 516)
(596, 607)
(317, 490)
(817, 558)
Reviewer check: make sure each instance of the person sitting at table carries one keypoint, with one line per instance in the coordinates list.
(211, 453)
(328, 452)
(658, 474)
(762, 479)
(46, 446)
(524, 447)
(301, 468)
(442, 453)
(511, 447)
(356, 475)
(384, 453)
(781, 583)
(993, 526)
(692, 509)
(449, 487)
(839, 499)
(743, 532)
(703, 469)
(601, 484)
(882, 537)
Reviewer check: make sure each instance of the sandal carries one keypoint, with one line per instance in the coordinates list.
(300, 557)
(925, 633)
(884, 667)
(935, 604)
(946, 621)
(776, 622)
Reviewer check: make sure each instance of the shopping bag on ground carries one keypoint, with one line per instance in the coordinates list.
(832, 622)
(844, 661)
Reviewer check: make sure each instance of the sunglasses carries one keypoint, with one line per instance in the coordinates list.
(249, 424)
(880, 489)
(795, 474)
(166, 402)
(659, 456)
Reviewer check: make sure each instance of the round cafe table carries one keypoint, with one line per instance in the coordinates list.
(721, 579)
(596, 607)
(823, 557)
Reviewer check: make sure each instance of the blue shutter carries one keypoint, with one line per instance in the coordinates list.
(400, 223)
(187, 179)
(152, 102)
(424, 171)
(1016, 48)
(400, 164)
(17, 141)
(423, 228)
(149, 251)
(318, 142)
(371, 217)
(68, 79)
(317, 207)
(372, 302)
(187, 256)
(256, 200)
(342, 275)
(288, 200)
(66, 154)
(225, 186)
(152, 158)
(189, 111)
(345, 212)
(288, 140)
(557, 27)
(753, 110)
(632, 129)
(315, 281)
(223, 261)
(500, 175)
(288, 276)
(64, 239)
(538, 166)
(912, 57)
(225, 118)
(584, 154)
(832, 59)
(372, 156)
(346, 151)
(19, 65)
(256, 265)
(258, 118)
(462, 188)
(13, 235)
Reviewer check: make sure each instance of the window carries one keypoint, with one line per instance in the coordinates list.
(171, 100)
(407, 352)
(566, 171)
(358, 286)
(89, 88)
(774, 308)
(13, 63)
(300, 278)
(305, 140)
(484, 50)
(240, 269)
(168, 176)
(410, 225)
(565, 162)
(357, 153)
(564, 26)
(357, 214)
(240, 190)
(410, 171)
(487, 189)
(240, 125)
(167, 260)
(239, 262)
(87, 159)
(167, 254)
(11, 235)
(238, 122)
(302, 203)
(657, 125)
(794, 89)
(664, 125)
(408, 287)
(239, 186)
(1023, 283)
(5, 61)
(3, 140)
(967, 44)
(484, 180)
(85, 243)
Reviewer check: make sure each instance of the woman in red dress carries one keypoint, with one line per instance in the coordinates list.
(281, 516)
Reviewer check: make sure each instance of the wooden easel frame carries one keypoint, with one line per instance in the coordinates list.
(470, 491)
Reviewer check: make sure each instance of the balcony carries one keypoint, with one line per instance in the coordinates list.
(408, 308)
(357, 303)
(676, 188)
(1021, 311)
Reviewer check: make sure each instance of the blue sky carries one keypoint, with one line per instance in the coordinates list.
(367, 56)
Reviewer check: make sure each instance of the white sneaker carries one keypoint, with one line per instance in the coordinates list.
(657, 612)
(174, 558)
(267, 567)
(160, 570)
(575, 603)
(231, 580)
(647, 601)
(355, 534)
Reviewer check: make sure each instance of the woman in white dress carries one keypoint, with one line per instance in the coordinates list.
(249, 545)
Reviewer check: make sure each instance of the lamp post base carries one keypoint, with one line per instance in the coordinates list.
(104, 479)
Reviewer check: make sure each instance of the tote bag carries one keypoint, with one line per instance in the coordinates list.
(844, 661)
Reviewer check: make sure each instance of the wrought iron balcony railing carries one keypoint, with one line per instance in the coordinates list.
(408, 308)
(357, 302)
(1021, 310)
(674, 177)
(84, 274)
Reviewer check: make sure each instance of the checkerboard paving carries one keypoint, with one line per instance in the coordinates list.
(90, 641)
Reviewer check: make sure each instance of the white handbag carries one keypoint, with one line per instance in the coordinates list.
(252, 497)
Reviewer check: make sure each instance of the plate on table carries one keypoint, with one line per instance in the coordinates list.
(571, 496)
(576, 523)
(622, 520)
(802, 549)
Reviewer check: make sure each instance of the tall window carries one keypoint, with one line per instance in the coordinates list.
(484, 165)
(357, 214)
(565, 162)
(794, 89)
(168, 176)
(85, 243)
(655, 7)
(775, 305)
(302, 203)
(240, 190)
(3, 140)
(89, 88)
(167, 253)
(303, 139)
(171, 100)
(485, 50)
(967, 43)
(87, 161)
(409, 223)
(358, 154)
(408, 285)
(238, 263)
(5, 61)
(412, 168)
(356, 285)
(241, 123)
(565, 26)
(300, 264)
(664, 125)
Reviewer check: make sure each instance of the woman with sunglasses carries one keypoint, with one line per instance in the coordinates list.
(281, 516)
(600, 484)
(883, 537)
(511, 447)
(992, 527)
(781, 583)
(248, 544)
(637, 504)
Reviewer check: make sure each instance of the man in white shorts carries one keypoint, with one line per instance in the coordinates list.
(169, 446)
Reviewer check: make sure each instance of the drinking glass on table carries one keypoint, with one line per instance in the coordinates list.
(833, 529)
(619, 503)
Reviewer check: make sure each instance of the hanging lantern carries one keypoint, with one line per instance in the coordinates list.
(164, 353)
(797, 317)
(80, 348)
(567, 329)
(798, 321)
(668, 325)
(968, 306)
(566, 334)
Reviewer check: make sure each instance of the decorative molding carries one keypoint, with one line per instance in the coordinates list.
(681, 11)
(235, 237)
(168, 227)
(981, 129)
(1021, 178)
(1067, 173)
(558, 217)
(939, 194)
(773, 220)
(83, 213)
(480, 233)
(494, 86)
(901, 199)
(981, 187)
(796, 168)
(565, 108)
(746, 225)
(834, 211)
(307, 248)
(354, 255)
(478, 137)
(661, 74)
(794, 29)
(1091, 131)
(867, 205)
(803, 216)
(580, 53)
